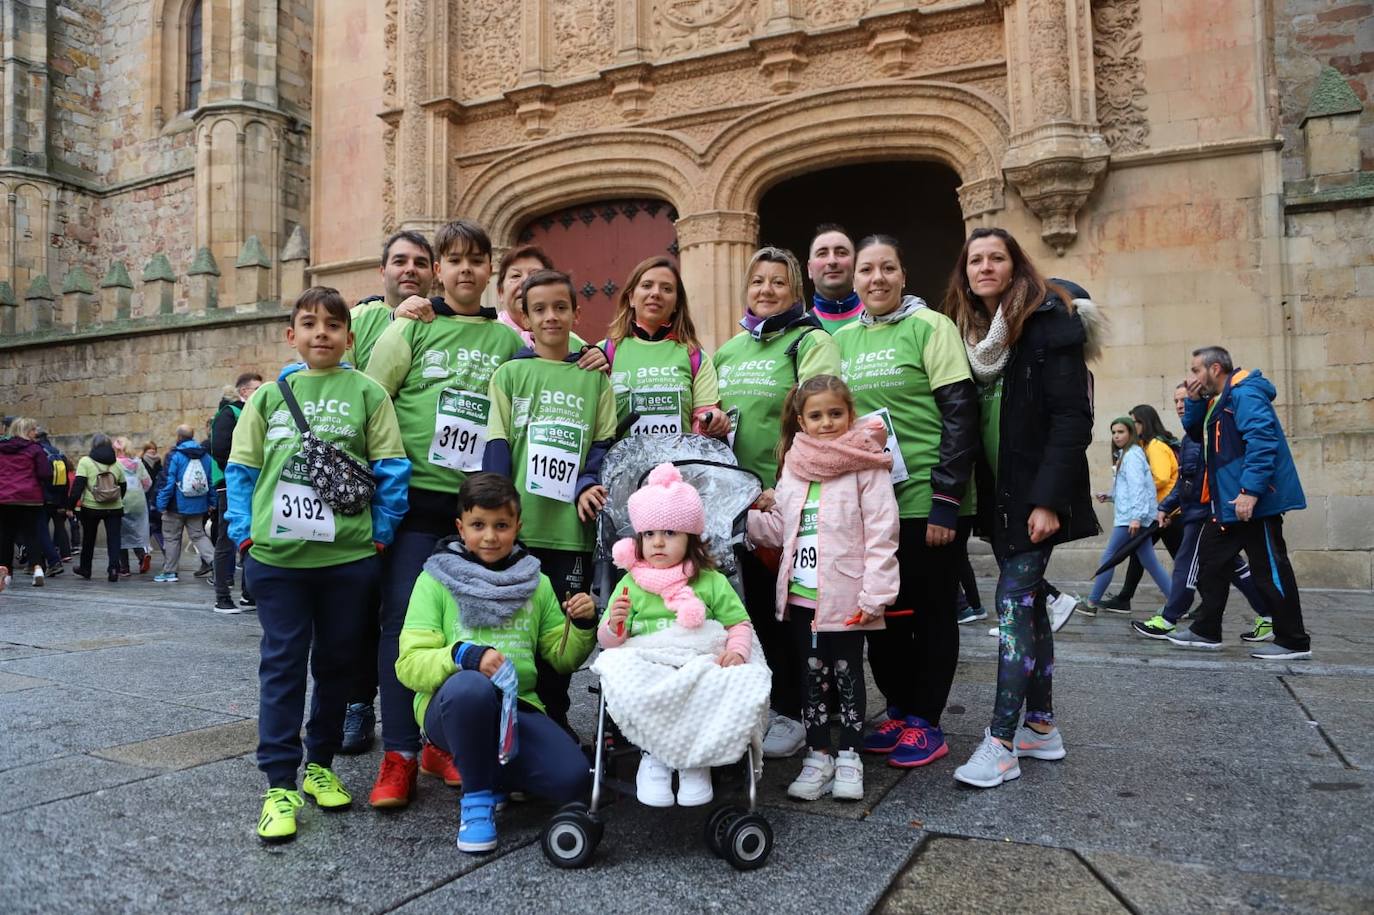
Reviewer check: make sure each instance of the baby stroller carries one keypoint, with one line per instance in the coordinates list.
(740, 835)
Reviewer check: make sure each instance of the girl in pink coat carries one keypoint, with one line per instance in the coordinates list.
(834, 516)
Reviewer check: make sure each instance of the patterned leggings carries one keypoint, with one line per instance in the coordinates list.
(835, 663)
(1025, 663)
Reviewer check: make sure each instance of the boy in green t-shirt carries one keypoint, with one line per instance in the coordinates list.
(312, 569)
(479, 619)
(551, 426)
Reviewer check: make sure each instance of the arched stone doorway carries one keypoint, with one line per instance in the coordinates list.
(915, 201)
(598, 244)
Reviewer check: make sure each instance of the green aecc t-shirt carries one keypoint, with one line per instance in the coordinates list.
(654, 379)
(368, 321)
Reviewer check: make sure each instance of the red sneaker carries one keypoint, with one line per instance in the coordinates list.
(395, 782)
(434, 761)
(145, 563)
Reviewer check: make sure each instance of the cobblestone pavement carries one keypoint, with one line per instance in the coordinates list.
(1212, 783)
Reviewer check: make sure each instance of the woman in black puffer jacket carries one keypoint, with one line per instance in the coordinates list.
(1028, 340)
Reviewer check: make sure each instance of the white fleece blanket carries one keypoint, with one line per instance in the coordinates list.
(671, 697)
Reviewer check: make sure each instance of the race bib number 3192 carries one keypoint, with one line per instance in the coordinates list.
(553, 461)
(460, 430)
(298, 512)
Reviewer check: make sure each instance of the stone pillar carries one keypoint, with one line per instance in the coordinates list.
(295, 257)
(412, 180)
(79, 303)
(9, 312)
(116, 294)
(203, 278)
(253, 269)
(159, 287)
(39, 300)
(1057, 153)
(714, 248)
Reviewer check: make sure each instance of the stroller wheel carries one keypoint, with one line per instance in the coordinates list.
(748, 842)
(570, 838)
(716, 826)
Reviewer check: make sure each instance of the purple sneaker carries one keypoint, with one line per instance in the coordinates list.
(919, 744)
(888, 734)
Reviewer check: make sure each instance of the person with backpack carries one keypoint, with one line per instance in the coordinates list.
(221, 440)
(57, 497)
(184, 500)
(779, 347)
(99, 497)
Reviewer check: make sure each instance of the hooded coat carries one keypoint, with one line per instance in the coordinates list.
(170, 490)
(24, 468)
(1045, 428)
(1244, 449)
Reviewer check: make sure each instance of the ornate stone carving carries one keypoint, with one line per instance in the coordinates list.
(781, 60)
(1049, 63)
(1054, 175)
(983, 196)
(488, 34)
(894, 42)
(631, 89)
(389, 42)
(833, 12)
(534, 108)
(1120, 74)
(389, 180)
(684, 26)
(583, 35)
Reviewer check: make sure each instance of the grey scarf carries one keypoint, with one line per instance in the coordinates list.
(910, 305)
(485, 596)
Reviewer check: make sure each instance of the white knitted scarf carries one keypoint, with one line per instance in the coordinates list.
(988, 357)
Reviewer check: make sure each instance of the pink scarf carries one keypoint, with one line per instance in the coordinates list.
(861, 448)
(669, 584)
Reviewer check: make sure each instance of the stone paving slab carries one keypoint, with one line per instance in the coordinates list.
(152, 670)
(187, 749)
(39, 783)
(1181, 808)
(13, 683)
(977, 875)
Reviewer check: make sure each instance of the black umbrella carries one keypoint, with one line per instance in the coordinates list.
(1130, 546)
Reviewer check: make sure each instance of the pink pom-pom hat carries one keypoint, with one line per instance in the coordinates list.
(667, 503)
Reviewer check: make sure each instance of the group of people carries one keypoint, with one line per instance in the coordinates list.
(421, 489)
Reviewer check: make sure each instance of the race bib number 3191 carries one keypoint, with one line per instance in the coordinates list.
(553, 461)
(460, 430)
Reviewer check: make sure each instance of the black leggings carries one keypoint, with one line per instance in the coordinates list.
(761, 600)
(570, 573)
(91, 519)
(914, 658)
(834, 669)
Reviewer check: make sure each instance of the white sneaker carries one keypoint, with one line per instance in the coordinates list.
(694, 787)
(654, 783)
(784, 738)
(849, 777)
(816, 778)
(990, 765)
(38, 576)
(1029, 742)
(995, 631)
(1061, 609)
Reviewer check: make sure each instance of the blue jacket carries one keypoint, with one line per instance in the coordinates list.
(1187, 492)
(1243, 449)
(181, 455)
(1133, 494)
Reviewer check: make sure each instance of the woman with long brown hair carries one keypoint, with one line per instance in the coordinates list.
(658, 368)
(1032, 479)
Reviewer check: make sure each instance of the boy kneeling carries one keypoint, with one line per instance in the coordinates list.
(482, 602)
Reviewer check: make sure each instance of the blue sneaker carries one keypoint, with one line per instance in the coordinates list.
(477, 833)
(919, 745)
(359, 730)
(886, 737)
(166, 576)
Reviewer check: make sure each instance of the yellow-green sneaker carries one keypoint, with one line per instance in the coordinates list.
(324, 786)
(278, 821)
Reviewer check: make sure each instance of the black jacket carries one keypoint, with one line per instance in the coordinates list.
(222, 431)
(1046, 427)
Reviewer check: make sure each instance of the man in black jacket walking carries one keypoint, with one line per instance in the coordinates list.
(221, 441)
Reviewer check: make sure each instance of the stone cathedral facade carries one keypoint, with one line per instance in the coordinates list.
(175, 171)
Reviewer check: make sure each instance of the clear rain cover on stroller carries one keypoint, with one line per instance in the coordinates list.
(727, 490)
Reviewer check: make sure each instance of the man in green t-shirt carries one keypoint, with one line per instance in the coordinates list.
(407, 273)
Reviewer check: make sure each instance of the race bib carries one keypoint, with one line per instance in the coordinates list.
(893, 447)
(804, 560)
(660, 411)
(460, 430)
(554, 458)
(732, 414)
(298, 513)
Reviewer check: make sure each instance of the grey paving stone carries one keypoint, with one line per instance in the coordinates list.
(152, 671)
(40, 724)
(1180, 807)
(1159, 888)
(187, 749)
(55, 779)
(11, 683)
(656, 861)
(977, 875)
(1347, 689)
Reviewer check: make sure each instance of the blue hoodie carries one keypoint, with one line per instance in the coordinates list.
(181, 455)
(1244, 449)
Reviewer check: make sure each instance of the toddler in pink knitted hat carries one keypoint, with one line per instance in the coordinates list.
(671, 580)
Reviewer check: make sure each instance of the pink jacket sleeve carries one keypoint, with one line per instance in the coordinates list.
(878, 507)
(739, 638)
(765, 528)
(608, 638)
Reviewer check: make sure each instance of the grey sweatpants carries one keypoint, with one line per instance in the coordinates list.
(172, 526)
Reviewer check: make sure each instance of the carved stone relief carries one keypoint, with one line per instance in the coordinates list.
(489, 42)
(1120, 74)
(389, 43)
(1049, 43)
(833, 12)
(685, 26)
(583, 35)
